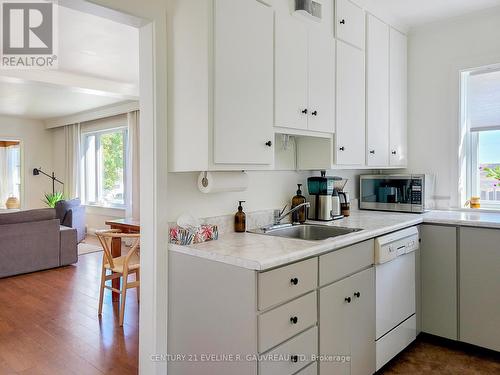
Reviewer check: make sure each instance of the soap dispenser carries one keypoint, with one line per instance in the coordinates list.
(300, 215)
(240, 219)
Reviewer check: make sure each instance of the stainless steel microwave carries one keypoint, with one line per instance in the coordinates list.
(402, 193)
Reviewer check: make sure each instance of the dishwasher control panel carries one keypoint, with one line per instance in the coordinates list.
(395, 244)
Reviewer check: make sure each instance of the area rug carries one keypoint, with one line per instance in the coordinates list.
(89, 245)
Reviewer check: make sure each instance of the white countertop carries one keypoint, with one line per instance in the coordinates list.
(261, 252)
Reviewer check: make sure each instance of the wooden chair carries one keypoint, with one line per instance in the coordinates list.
(120, 266)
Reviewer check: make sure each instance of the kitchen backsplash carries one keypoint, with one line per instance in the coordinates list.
(256, 219)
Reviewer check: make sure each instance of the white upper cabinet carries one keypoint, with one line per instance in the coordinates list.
(398, 97)
(291, 72)
(350, 23)
(304, 72)
(243, 79)
(377, 93)
(350, 109)
(321, 109)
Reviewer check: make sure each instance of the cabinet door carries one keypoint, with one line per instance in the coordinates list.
(334, 328)
(438, 257)
(480, 287)
(350, 129)
(243, 102)
(321, 81)
(362, 322)
(350, 23)
(398, 97)
(377, 94)
(290, 72)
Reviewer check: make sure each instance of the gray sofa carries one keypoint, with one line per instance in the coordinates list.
(34, 240)
(72, 214)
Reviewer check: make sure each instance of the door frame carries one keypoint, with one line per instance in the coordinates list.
(151, 23)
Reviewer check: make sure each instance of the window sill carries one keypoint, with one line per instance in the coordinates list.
(105, 211)
(482, 209)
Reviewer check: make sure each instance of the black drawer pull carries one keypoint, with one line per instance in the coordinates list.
(294, 320)
(294, 281)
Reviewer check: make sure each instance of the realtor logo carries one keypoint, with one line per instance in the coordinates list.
(28, 35)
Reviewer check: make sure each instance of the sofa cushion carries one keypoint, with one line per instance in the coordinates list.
(27, 216)
(62, 207)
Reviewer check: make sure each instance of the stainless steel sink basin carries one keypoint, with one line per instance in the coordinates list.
(309, 232)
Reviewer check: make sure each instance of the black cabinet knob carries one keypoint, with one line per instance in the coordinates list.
(294, 320)
(269, 143)
(304, 111)
(357, 294)
(341, 148)
(294, 281)
(314, 113)
(394, 152)
(294, 358)
(342, 21)
(372, 152)
(348, 299)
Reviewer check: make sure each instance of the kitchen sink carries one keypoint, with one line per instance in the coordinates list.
(309, 232)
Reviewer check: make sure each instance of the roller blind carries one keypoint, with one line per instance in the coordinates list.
(484, 101)
(104, 123)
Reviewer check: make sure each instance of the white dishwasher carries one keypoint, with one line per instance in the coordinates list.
(395, 293)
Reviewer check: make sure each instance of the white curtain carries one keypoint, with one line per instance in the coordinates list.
(72, 168)
(4, 173)
(132, 173)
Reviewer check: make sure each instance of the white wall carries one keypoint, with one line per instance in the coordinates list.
(36, 151)
(266, 190)
(436, 54)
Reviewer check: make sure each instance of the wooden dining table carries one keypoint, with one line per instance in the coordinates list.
(127, 225)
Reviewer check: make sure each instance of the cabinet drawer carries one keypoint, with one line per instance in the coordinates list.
(280, 324)
(285, 283)
(346, 261)
(312, 369)
(304, 346)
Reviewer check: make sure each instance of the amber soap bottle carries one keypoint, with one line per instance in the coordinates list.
(300, 215)
(240, 219)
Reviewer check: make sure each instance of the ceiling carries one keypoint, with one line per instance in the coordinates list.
(98, 65)
(412, 13)
(40, 101)
(97, 47)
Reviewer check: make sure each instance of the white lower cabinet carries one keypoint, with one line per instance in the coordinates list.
(480, 287)
(275, 322)
(438, 256)
(291, 356)
(312, 369)
(347, 325)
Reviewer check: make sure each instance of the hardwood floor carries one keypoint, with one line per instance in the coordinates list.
(432, 355)
(49, 324)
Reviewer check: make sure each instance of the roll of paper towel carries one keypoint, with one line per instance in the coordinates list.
(218, 182)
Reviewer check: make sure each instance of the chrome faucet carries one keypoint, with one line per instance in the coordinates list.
(278, 218)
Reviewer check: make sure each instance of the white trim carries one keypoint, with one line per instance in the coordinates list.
(100, 11)
(153, 203)
(94, 114)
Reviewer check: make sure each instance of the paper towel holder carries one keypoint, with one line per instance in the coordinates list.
(204, 180)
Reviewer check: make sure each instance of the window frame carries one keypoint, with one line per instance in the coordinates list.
(472, 145)
(98, 167)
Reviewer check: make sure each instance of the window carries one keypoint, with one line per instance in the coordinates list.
(10, 171)
(482, 115)
(104, 158)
